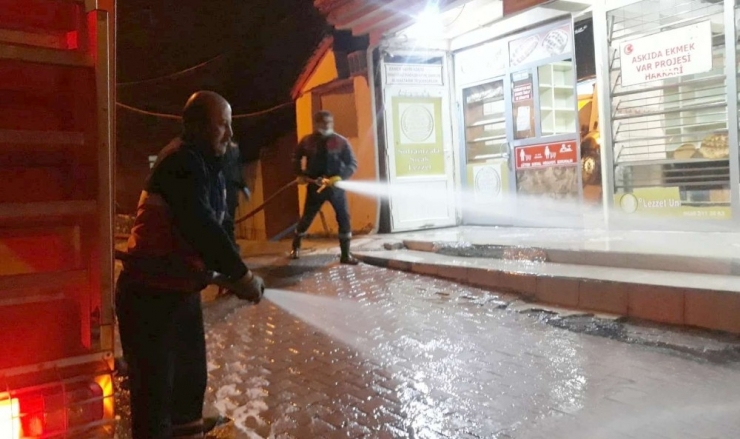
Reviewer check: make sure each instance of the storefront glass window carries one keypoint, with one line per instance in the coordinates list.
(485, 121)
(557, 98)
(669, 109)
(522, 98)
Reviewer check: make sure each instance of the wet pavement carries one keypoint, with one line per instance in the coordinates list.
(363, 351)
(369, 352)
(705, 244)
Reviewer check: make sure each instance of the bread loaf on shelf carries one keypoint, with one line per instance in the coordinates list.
(685, 151)
(715, 147)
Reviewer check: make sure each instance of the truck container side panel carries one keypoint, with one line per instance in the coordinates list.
(62, 102)
(39, 247)
(70, 99)
(57, 108)
(67, 94)
(15, 76)
(46, 15)
(36, 98)
(20, 155)
(31, 344)
(31, 99)
(61, 313)
(35, 184)
(57, 253)
(30, 119)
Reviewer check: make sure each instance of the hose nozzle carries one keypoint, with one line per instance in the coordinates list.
(323, 183)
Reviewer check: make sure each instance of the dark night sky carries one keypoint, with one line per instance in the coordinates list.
(263, 44)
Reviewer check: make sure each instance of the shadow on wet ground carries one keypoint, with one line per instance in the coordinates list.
(290, 273)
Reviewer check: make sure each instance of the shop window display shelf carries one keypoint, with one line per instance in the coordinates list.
(557, 98)
(671, 133)
(674, 120)
(488, 122)
(696, 124)
(485, 121)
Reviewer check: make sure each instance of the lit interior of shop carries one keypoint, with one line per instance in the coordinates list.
(670, 120)
(527, 97)
(666, 133)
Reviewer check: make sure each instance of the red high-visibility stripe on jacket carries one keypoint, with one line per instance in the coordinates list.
(160, 255)
(177, 235)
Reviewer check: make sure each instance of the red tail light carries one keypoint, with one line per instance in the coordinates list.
(10, 423)
(51, 411)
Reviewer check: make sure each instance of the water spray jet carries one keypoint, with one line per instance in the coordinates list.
(528, 210)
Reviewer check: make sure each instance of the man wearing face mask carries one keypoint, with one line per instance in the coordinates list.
(329, 160)
(176, 241)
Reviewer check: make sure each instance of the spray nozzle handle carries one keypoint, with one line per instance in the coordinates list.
(323, 183)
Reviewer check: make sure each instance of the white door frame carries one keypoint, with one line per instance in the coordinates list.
(411, 207)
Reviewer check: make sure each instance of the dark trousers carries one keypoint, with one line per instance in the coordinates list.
(314, 200)
(164, 346)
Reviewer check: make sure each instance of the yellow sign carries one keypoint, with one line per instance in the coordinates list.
(666, 201)
(417, 130)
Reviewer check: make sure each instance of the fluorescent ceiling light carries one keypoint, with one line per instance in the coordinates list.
(428, 23)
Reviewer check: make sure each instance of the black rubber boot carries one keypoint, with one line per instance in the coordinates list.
(346, 257)
(216, 426)
(296, 247)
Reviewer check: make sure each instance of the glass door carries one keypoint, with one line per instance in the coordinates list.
(485, 122)
(486, 150)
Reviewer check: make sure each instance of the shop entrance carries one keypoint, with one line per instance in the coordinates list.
(416, 107)
(520, 130)
(486, 151)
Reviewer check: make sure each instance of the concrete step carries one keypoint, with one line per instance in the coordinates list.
(642, 260)
(710, 301)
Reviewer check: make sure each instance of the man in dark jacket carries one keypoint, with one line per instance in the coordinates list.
(234, 186)
(176, 240)
(329, 160)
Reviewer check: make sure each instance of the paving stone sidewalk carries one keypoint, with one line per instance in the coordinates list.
(370, 352)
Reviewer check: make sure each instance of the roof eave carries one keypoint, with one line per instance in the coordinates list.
(311, 65)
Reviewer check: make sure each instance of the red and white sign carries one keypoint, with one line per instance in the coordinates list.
(546, 155)
(670, 54)
(523, 90)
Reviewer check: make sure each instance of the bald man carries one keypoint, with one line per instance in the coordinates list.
(176, 241)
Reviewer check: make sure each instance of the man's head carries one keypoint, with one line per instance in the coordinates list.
(206, 120)
(323, 123)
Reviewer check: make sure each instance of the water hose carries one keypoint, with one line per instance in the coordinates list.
(264, 204)
(321, 182)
